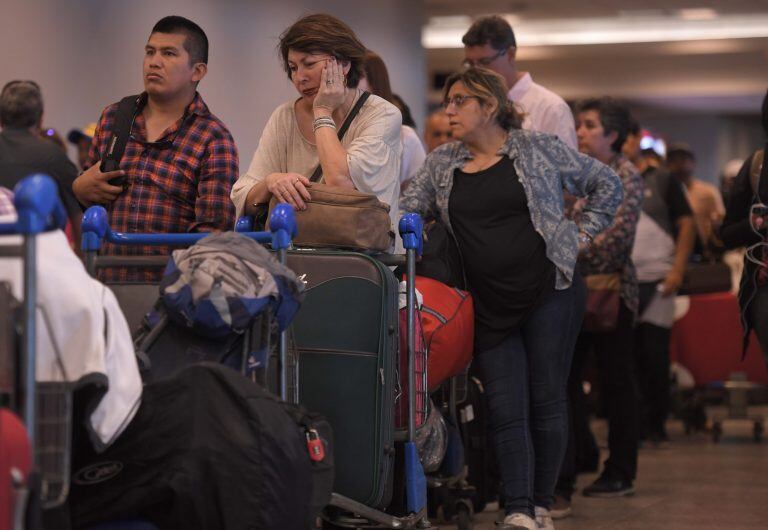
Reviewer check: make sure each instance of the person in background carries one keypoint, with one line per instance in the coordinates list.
(437, 130)
(704, 198)
(746, 225)
(180, 160)
(405, 110)
(82, 139)
(324, 60)
(490, 43)
(499, 190)
(376, 81)
(728, 176)
(24, 151)
(602, 126)
(49, 133)
(663, 244)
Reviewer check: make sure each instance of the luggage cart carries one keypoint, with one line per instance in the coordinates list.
(344, 511)
(136, 299)
(46, 408)
(452, 498)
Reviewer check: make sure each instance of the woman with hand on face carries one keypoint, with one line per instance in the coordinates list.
(499, 191)
(324, 60)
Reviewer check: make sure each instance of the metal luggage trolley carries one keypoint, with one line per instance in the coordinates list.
(452, 498)
(46, 407)
(351, 513)
(137, 298)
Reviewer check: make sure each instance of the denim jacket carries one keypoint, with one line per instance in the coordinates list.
(545, 166)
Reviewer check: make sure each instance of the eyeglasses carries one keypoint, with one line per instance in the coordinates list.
(483, 61)
(457, 101)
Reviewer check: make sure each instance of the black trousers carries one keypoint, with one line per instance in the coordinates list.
(618, 387)
(652, 361)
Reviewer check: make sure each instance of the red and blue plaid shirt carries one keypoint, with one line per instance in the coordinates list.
(178, 183)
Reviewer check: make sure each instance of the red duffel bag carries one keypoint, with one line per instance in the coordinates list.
(448, 318)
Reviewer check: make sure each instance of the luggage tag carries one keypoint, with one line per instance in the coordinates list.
(315, 446)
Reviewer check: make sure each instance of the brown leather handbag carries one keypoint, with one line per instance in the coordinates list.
(603, 299)
(343, 218)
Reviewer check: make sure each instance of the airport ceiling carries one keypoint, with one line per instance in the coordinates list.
(554, 9)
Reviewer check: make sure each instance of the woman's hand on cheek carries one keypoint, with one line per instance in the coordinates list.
(332, 91)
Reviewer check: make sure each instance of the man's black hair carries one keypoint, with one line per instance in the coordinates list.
(634, 127)
(492, 30)
(21, 104)
(614, 116)
(196, 42)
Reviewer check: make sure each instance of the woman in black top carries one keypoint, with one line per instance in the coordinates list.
(499, 191)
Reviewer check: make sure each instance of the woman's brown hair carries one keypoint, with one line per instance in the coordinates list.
(488, 86)
(323, 33)
(377, 76)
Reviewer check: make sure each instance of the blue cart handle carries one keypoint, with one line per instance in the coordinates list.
(411, 230)
(95, 228)
(38, 208)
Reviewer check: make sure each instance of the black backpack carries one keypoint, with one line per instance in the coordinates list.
(441, 258)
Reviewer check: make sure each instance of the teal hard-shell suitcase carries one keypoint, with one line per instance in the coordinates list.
(346, 335)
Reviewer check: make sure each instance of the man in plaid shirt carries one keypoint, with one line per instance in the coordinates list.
(180, 160)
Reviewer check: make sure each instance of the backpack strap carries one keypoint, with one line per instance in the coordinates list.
(126, 111)
(755, 168)
(344, 126)
(758, 175)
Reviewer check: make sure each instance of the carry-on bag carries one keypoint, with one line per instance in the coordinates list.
(209, 449)
(448, 318)
(346, 337)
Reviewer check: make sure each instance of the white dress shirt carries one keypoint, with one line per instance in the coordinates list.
(544, 110)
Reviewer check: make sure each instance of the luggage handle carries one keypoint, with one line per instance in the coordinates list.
(95, 228)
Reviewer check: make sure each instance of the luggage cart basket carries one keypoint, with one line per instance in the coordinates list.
(46, 407)
(96, 230)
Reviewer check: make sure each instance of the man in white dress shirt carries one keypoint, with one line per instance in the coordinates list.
(490, 43)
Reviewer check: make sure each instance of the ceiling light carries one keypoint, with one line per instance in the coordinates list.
(697, 13)
(615, 30)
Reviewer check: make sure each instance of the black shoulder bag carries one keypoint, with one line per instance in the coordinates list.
(121, 131)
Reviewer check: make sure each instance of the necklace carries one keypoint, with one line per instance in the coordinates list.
(485, 165)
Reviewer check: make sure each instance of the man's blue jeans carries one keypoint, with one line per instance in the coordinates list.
(525, 380)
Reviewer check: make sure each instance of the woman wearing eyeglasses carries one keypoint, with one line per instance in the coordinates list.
(499, 190)
(324, 60)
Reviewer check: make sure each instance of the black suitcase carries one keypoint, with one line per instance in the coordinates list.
(346, 336)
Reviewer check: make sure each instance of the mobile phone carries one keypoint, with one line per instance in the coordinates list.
(109, 164)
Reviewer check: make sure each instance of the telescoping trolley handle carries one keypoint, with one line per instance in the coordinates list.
(38, 209)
